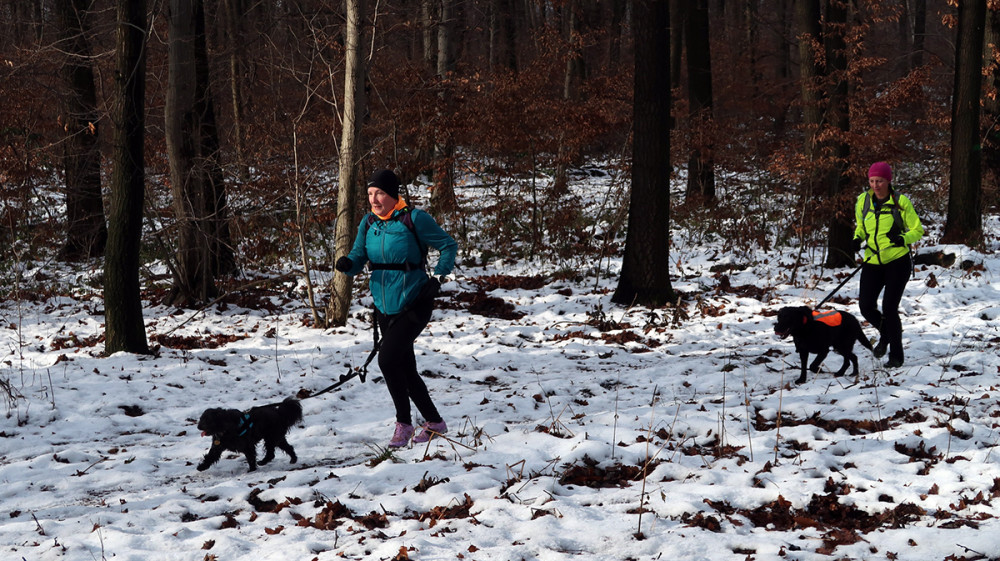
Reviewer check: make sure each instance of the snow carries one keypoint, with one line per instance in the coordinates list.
(98, 454)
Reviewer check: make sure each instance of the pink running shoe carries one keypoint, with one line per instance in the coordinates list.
(401, 437)
(430, 430)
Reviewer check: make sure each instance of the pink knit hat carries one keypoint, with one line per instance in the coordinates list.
(880, 169)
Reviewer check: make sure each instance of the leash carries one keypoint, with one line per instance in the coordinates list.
(362, 372)
(344, 378)
(839, 286)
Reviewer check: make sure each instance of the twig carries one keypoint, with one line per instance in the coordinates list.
(777, 426)
(84, 472)
(645, 467)
(614, 425)
(52, 389)
(277, 361)
(443, 437)
(722, 418)
(746, 405)
(301, 227)
(41, 531)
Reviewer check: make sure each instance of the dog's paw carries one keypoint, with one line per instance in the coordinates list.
(202, 467)
(801, 380)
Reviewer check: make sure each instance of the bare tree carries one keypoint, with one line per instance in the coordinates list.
(232, 12)
(991, 99)
(86, 231)
(701, 163)
(645, 277)
(965, 214)
(919, 32)
(196, 179)
(354, 109)
(840, 231)
(443, 194)
(124, 329)
(810, 36)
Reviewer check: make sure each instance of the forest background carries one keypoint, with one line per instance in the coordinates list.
(220, 136)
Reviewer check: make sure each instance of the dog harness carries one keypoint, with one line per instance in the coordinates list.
(829, 317)
(245, 422)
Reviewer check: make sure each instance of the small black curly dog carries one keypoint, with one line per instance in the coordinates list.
(240, 431)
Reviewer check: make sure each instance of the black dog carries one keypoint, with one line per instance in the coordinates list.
(240, 431)
(816, 332)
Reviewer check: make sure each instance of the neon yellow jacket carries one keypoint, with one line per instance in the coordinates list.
(874, 227)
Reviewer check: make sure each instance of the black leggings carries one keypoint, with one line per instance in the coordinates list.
(892, 277)
(399, 365)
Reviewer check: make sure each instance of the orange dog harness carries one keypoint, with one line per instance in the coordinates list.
(830, 317)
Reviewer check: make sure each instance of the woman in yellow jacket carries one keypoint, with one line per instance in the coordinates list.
(887, 224)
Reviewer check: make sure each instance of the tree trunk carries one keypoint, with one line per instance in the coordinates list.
(428, 36)
(807, 14)
(507, 13)
(232, 11)
(574, 75)
(645, 278)
(678, 17)
(443, 193)
(701, 162)
(965, 220)
(919, 33)
(86, 231)
(991, 103)
(354, 109)
(203, 247)
(124, 329)
(840, 233)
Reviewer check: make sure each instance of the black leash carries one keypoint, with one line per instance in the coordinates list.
(362, 372)
(839, 286)
(344, 378)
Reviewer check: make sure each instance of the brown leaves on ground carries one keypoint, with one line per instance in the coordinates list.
(190, 342)
(330, 517)
(852, 426)
(509, 282)
(481, 304)
(841, 524)
(589, 474)
(461, 510)
(755, 292)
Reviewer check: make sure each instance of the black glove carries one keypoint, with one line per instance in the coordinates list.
(431, 289)
(344, 264)
(856, 244)
(896, 239)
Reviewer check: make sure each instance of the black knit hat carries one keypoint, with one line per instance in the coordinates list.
(386, 181)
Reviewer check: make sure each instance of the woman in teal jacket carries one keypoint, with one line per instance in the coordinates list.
(887, 224)
(392, 240)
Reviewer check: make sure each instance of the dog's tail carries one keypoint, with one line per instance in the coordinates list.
(290, 411)
(863, 339)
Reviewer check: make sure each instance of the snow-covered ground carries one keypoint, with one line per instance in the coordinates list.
(579, 430)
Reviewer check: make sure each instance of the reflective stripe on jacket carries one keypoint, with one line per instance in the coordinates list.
(876, 224)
